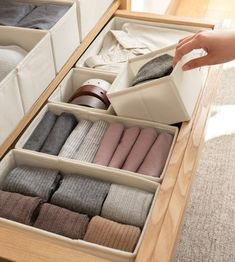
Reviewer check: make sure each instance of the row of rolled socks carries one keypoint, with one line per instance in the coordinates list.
(135, 149)
(75, 206)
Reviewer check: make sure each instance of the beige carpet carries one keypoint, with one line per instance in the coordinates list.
(208, 232)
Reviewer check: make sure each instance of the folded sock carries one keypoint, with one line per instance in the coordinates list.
(124, 147)
(75, 139)
(32, 181)
(64, 125)
(108, 233)
(155, 160)
(108, 144)
(62, 221)
(127, 205)
(41, 132)
(81, 194)
(44, 16)
(17, 207)
(91, 142)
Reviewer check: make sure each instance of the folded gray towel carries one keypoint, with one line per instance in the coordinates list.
(44, 16)
(41, 132)
(155, 68)
(127, 205)
(81, 194)
(32, 181)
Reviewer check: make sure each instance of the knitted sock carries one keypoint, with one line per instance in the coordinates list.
(123, 149)
(141, 147)
(32, 181)
(127, 205)
(64, 125)
(108, 144)
(62, 221)
(91, 142)
(81, 194)
(107, 233)
(75, 139)
(41, 132)
(155, 160)
(17, 207)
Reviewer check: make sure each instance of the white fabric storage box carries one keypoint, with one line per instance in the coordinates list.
(22, 157)
(93, 116)
(170, 99)
(37, 69)
(11, 108)
(73, 80)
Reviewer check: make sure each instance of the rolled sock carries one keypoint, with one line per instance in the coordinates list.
(32, 181)
(108, 144)
(41, 132)
(17, 207)
(111, 234)
(155, 160)
(123, 149)
(75, 139)
(81, 194)
(12, 12)
(127, 205)
(141, 147)
(44, 16)
(62, 221)
(91, 142)
(64, 125)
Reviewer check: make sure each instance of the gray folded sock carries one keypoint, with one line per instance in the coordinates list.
(127, 205)
(91, 142)
(41, 132)
(64, 125)
(44, 16)
(32, 181)
(155, 68)
(81, 194)
(75, 139)
(11, 12)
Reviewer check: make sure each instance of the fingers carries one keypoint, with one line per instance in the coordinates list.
(197, 62)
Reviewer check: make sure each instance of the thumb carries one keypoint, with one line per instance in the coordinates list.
(197, 62)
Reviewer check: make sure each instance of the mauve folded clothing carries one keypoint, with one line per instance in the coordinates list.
(81, 194)
(41, 132)
(141, 147)
(155, 160)
(11, 12)
(32, 181)
(10, 57)
(127, 205)
(75, 139)
(44, 16)
(17, 207)
(108, 144)
(154, 69)
(123, 149)
(62, 221)
(111, 234)
(64, 125)
(91, 142)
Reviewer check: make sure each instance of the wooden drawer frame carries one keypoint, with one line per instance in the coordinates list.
(165, 222)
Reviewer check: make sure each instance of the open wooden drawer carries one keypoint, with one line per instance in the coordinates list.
(163, 227)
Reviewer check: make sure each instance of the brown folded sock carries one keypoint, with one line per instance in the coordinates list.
(155, 160)
(107, 233)
(17, 207)
(62, 221)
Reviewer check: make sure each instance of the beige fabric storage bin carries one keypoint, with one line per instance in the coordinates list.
(93, 116)
(170, 99)
(11, 108)
(73, 80)
(37, 69)
(21, 157)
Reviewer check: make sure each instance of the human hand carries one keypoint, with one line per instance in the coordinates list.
(219, 48)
